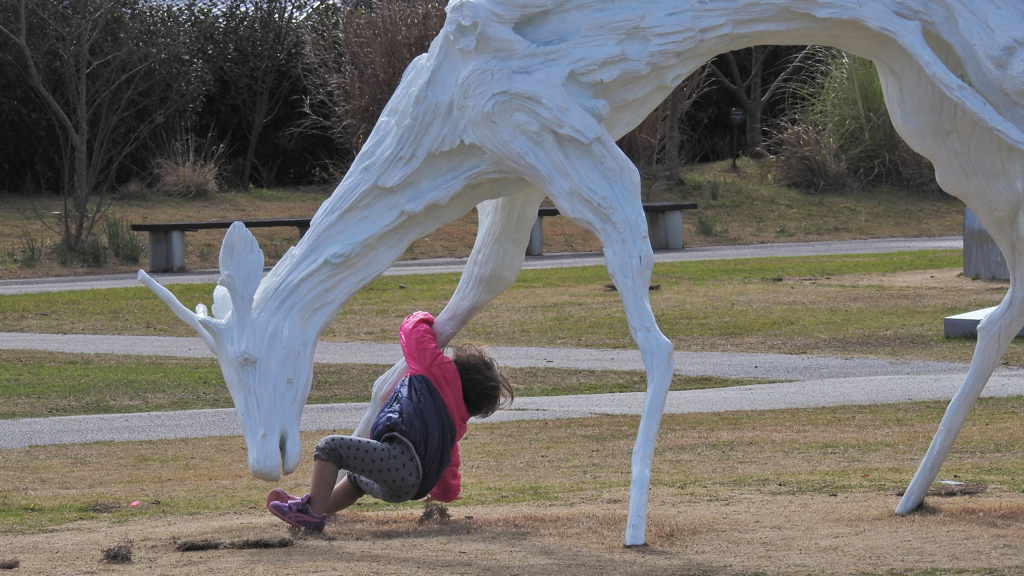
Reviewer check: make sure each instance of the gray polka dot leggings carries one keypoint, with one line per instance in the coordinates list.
(387, 470)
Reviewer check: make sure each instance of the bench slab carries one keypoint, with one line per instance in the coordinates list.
(664, 225)
(167, 239)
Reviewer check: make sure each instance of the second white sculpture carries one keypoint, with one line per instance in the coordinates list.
(520, 99)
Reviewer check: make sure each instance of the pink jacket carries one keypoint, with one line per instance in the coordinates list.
(419, 345)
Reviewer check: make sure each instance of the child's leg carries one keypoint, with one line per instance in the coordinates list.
(388, 471)
(326, 497)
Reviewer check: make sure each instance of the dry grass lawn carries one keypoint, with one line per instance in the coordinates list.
(849, 534)
(790, 492)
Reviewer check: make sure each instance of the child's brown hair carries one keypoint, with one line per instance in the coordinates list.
(484, 388)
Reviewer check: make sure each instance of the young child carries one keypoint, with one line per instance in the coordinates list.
(413, 450)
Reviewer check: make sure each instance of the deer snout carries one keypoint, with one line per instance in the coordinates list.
(272, 453)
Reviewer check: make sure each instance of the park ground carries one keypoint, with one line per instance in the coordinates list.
(794, 492)
(743, 534)
(797, 492)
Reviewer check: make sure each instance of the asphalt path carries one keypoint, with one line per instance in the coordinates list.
(791, 381)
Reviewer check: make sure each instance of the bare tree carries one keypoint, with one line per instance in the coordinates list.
(100, 70)
(261, 50)
(355, 58)
(656, 145)
(750, 92)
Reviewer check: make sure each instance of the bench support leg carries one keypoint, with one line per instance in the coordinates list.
(536, 245)
(665, 229)
(166, 251)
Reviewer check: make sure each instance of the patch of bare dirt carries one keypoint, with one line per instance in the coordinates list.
(941, 278)
(855, 533)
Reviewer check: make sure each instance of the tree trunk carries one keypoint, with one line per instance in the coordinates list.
(672, 139)
(755, 104)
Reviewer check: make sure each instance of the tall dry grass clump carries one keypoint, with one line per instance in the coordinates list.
(842, 123)
(355, 56)
(808, 159)
(189, 167)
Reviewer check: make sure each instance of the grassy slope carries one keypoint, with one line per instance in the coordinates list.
(735, 207)
(819, 305)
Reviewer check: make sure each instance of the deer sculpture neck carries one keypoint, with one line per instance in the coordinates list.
(517, 99)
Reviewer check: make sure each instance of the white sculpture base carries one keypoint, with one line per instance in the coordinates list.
(966, 325)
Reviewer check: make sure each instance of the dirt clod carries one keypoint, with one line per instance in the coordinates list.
(120, 553)
(243, 544)
(104, 507)
(196, 545)
(434, 511)
(958, 489)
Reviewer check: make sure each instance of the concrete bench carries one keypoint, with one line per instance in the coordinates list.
(167, 241)
(664, 225)
(982, 258)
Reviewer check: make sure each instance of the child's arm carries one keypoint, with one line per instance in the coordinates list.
(449, 486)
(419, 342)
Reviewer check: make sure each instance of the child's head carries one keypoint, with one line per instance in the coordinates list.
(484, 388)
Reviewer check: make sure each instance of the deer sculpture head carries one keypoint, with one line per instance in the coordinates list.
(268, 393)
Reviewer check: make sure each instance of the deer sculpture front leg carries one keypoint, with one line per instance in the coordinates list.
(493, 265)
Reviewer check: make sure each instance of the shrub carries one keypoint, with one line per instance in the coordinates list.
(189, 167)
(124, 243)
(809, 160)
(31, 252)
(133, 190)
(356, 53)
(94, 254)
(64, 255)
(185, 180)
(706, 225)
(841, 133)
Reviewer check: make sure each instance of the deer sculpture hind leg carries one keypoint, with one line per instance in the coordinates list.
(602, 194)
(497, 256)
(995, 333)
(563, 150)
(979, 158)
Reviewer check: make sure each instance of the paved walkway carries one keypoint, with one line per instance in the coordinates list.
(332, 417)
(808, 381)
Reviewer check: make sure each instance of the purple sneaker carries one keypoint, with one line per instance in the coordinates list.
(278, 495)
(298, 514)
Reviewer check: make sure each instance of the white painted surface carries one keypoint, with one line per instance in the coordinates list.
(516, 100)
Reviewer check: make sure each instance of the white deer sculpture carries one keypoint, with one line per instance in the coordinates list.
(518, 99)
